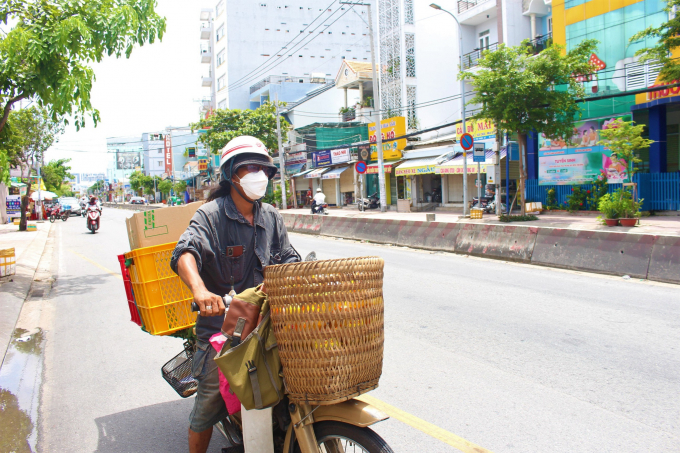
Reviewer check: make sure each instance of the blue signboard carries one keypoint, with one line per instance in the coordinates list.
(321, 158)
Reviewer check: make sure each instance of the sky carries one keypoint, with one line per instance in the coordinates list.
(158, 86)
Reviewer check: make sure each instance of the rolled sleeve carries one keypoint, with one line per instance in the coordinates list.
(197, 239)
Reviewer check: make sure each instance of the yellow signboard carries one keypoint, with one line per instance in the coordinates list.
(662, 93)
(479, 129)
(391, 128)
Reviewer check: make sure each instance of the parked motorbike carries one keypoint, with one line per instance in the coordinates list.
(488, 205)
(372, 202)
(57, 213)
(319, 208)
(93, 215)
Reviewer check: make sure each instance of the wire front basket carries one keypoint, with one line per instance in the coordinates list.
(177, 372)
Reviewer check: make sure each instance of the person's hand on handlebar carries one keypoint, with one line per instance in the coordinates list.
(209, 304)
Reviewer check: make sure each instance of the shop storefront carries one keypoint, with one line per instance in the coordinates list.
(370, 182)
(337, 193)
(302, 187)
(417, 179)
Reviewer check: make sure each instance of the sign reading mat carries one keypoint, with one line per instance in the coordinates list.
(159, 226)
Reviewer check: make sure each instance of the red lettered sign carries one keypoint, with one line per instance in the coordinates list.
(168, 154)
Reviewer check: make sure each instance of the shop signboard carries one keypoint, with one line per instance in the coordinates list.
(390, 128)
(340, 156)
(167, 150)
(321, 158)
(364, 153)
(13, 203)
(458, 169)
(579, 159)
(295, 162)
(479, 129)
(202, 164)
(127, 160)
(373, 169)
(422, 170)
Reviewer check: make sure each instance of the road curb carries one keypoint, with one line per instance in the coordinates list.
(649, 256)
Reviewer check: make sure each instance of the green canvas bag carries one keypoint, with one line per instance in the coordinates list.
(253, 368)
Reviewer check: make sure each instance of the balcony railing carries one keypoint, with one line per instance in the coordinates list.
(470, 59)
(540, 43)
(464, 5)
(287, 79)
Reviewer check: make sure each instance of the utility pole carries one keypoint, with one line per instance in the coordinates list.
(39, 203)
(282, 156)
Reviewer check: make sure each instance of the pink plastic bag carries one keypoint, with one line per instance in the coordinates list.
(232, 402)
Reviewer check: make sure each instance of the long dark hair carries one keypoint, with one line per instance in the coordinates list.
(222, 190)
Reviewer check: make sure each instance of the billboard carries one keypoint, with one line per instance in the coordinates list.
(13, 204)
(127, 160)
(339, 156)
(479, 129)
(579, 159)
(321, 158)
(390, 128)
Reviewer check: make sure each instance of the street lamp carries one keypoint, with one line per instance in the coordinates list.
(462, 99)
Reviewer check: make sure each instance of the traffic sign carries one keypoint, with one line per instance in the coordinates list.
(361, 167)
(466, 141)
(478, 155)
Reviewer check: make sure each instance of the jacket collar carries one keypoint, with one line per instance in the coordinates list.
(235, 214)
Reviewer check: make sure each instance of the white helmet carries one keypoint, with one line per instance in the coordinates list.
(245, 144)
(318, 189)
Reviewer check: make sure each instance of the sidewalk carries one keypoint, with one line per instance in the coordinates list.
(28, 248)
(656, 225)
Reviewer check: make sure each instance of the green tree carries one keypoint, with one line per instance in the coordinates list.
(223, 125)
(521, 92)
(55, 173)
(667, 39)
(625, 140)
(47, 54)
(165, 186)
(179, 187)
(37, 131)
(136, 181)
(96, 187)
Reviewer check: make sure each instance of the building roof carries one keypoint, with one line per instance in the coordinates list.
(359, 66)
(352, 73)
(310, 94)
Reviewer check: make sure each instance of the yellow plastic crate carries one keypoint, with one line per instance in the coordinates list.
(476, 213)
(163, 300)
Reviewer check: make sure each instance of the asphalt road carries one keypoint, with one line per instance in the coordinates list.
(510, 357)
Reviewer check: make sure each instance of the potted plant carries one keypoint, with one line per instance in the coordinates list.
(629, 209)
(608, 205)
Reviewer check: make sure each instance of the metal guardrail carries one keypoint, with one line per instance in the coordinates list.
(464, 5)
(540, 43)
(470, 59)
(287, 79)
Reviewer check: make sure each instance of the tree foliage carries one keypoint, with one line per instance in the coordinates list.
(165, 186)
(522, 92)
(180, 186)
(624, 139)
(668, 36)
(46, 56)
(224, 125)
(55, 173)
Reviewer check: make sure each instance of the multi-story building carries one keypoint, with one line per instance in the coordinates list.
(246, 45)
(154, 156)
(127, 156)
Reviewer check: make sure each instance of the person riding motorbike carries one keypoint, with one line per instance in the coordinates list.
(229, 241)
(319, 199)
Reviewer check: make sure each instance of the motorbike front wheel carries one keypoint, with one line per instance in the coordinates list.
(52, 218)
(64, 217)
(337, 436)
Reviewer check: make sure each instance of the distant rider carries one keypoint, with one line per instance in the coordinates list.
(319, 199)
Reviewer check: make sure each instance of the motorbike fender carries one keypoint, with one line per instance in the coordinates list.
(352, 412)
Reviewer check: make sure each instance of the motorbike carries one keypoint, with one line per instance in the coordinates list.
(487, 204)
(319, 208)
(57, 213)
(309, 428)
(93, 214)
(372, 202)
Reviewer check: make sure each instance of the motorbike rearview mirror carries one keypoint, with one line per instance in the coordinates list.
(311, 257)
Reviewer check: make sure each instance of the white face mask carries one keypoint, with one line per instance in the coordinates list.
(254, 185)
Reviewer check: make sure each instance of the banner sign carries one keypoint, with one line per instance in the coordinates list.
(13, 203)
(321, 158)
(479, 129)
(458, 169)
(422, 170)
(296, 159)
(167, 149)
(579, 159)
(126, 160)
(339, 156)
(390, 128)
(364, 153)
(202, 164)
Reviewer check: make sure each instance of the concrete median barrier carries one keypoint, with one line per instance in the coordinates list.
(598, 251)
(428, 235)
(308, 223)
(341, 227)
(664, 264)
(288, 221)
(505, 242)
(377, 230)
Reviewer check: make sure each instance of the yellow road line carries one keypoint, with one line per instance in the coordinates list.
(115, 274)
(428, 428)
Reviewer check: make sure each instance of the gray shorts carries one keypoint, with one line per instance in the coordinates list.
(209, 407)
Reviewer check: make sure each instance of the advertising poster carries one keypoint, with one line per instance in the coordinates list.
(579, 159)
(127, 161)
(340, 156)
(321, 158)
(391, 128)
(13, 203)
(295, 162)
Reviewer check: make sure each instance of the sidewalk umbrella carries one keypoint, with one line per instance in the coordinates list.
(44, 195)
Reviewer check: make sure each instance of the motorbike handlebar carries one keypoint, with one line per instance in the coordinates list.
(226, 299)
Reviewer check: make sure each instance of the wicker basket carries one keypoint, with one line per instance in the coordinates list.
(328, 321)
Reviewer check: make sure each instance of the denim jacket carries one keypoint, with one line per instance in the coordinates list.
(215, 232)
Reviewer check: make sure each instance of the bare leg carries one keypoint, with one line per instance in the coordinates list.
(198, 442)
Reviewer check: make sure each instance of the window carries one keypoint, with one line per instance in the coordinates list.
(411, 105)
(219, 8)
(222, 105)
(641, 75)
(408, 12)
(159, 164)
(410, 54)
(220, 57)
(221, 81)
(484, 40)
(220, 33)
(550, 24)
(160, 151)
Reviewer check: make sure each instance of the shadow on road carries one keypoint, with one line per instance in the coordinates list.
(160, 427)
(77, 286)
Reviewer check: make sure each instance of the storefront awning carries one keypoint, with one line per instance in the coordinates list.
(316, 173)
(17, 184)
(422, 166)
(387, 166)
(455, 166)
(302, 173)
(334, 173)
